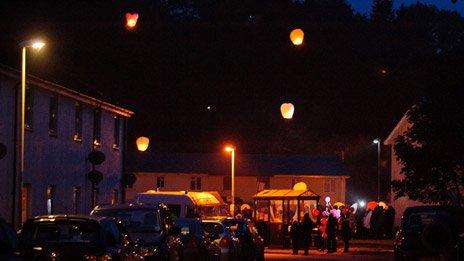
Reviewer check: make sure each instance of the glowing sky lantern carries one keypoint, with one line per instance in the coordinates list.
(287, 110)
(142, 143)
(131, 20)
(297, 36)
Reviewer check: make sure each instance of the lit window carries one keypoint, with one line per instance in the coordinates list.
(53, 116)
(78, 121)
(97, 127)
(115, 197)
(50, 198)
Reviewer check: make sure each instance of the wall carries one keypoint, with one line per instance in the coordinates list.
(245, 186)
(57, 160)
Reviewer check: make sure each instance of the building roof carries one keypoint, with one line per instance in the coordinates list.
(56, 88)
(245, 164)
(286, 194)
(395, 132)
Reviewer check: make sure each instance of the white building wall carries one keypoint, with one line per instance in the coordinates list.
(59, 160)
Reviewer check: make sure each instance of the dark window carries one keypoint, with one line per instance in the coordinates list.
(160, 182)
(78, 121)
(53, 116)
(227, 181)
(264, 182)
(29, 108)
(97, 127)
(76, 198)
(117, 121)
(195, 183)
(50, 198)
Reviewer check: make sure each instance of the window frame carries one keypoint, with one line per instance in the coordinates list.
(97, 118)
(78, 108)
(53, 116)
(116, 132)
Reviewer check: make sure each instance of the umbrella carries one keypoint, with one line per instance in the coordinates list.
(371, 205)
(339, 204)
(245, 206)
(355, 207)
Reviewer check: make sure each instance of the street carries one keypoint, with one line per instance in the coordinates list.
(359, 250)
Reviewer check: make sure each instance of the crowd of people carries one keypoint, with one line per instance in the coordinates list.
(340, 223)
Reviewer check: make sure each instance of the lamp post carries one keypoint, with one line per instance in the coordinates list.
(377, 141)
(231, 149)
(37, 45)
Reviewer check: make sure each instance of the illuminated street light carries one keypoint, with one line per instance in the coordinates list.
(377, 141)
(231, 149)
(362, 203)
(297, 36)
(37, 45)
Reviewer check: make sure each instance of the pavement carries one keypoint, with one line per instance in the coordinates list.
(359, 250)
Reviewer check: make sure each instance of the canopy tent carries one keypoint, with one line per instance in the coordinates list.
(285, 194)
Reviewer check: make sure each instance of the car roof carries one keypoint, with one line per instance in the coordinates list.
(131, 206)
(66, 216)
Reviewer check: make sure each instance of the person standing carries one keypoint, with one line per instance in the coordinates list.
(331, 233)
(307, 227)
(294, 234)
(345, 230)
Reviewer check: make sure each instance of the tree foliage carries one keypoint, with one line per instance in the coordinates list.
(432, 150)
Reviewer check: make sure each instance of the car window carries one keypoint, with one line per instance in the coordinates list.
(134, 220)
(62, 231)
(213, 228)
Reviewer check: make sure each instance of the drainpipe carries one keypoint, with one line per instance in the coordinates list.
(15, 160)
(124, 158)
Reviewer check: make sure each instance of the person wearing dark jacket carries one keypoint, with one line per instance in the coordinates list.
(294, 234)
(306, 228)
(345, 230)
(331, 233)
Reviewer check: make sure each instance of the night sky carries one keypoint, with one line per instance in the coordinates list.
(170, 71)
(364, 6)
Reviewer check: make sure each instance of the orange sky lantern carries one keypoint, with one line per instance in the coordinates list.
(142, 143)
(287, 110)
(131, 20)
(297, 36)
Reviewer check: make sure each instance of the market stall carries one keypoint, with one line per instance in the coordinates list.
(275, 209)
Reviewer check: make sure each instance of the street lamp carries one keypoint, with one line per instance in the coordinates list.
(37, 45)
(377, 141)
(231, 149)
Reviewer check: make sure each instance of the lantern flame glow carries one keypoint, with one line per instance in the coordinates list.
(142, 143)
(131, 20)
(297, 36)
(287, 110)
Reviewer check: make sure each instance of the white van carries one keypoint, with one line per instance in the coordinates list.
(187, 203)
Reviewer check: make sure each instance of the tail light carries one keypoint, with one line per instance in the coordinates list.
(225, 242)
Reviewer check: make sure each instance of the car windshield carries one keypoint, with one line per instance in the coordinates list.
(134, 220)
(213, 228)
(66, 231)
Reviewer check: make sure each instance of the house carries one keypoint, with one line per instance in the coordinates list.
(325, 175)
(62, 127)
(402, 203)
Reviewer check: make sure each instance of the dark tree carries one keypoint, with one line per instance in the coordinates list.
(382, 12)
(432, 149)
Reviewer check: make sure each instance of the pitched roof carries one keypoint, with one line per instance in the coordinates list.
(245, 164)
(59, 89)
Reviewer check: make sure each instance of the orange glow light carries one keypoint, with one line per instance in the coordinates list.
(142, 143)
(297, 36)
(229, 148)
(131, 20)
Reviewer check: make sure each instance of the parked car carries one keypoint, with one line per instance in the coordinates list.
(252, 244)
(219, 233)
(72, 237)
(430, 232)
(150, 226)
(196, 243)
(9, 244)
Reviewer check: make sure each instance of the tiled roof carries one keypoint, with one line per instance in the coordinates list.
(245, 164)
